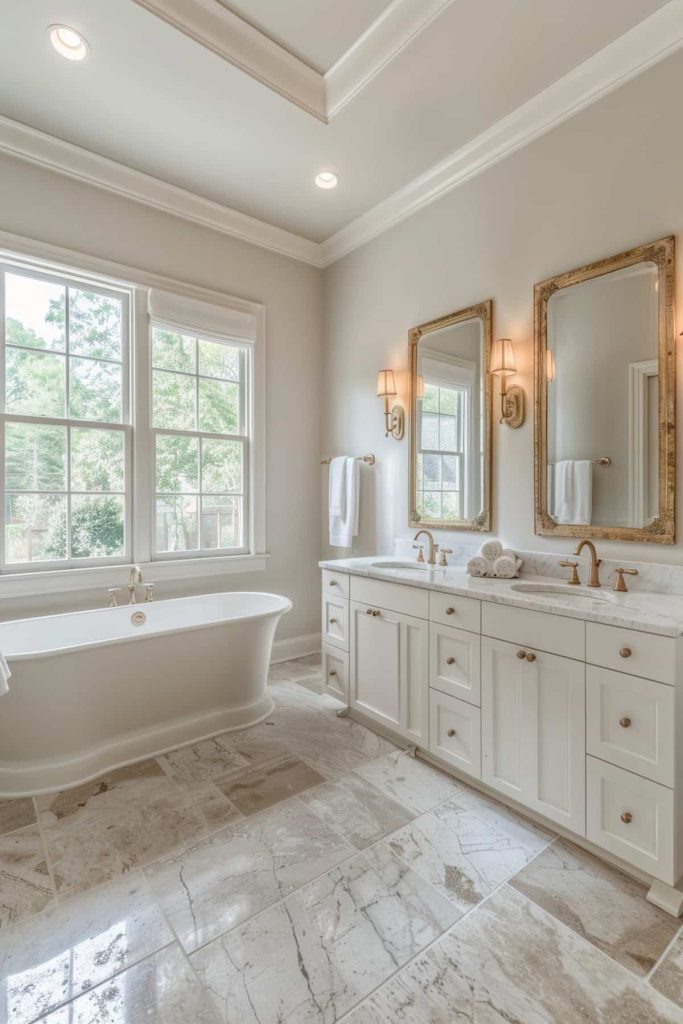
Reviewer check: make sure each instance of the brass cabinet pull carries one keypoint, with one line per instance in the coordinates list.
(451, 732)
(333, 583)
(332, 672)
(368, 611)
(627, 817)
(450, 611)
(521, 655)
(531, 656)
(625, 722)
(376, 611)
(450, 661)
(625, 652)
(333, 622)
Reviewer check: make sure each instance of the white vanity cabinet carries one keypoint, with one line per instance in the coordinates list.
(577, 720)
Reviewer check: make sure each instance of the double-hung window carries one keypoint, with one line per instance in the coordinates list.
(200, 416)
(131, 425)
(66, 436)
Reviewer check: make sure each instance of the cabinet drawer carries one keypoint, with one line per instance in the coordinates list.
(455, 662)
(462, 612)
(335, 625)
(630, 722)
(627, 650)
(556, 634)
(454, 732)
(336, 673)
(394, 596)
(336, 583)
(631, 817)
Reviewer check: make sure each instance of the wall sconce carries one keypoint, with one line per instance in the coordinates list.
(511, 399)
(394, 420)
(549, 366)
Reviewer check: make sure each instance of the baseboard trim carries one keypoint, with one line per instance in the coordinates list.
(296, 647)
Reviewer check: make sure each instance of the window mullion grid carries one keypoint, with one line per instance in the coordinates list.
(3, 386)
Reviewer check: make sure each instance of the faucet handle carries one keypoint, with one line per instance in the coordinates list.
(574, 574)
(445, 551)
(620, 582)
(149, 591)
(114, 596)
(419, 547)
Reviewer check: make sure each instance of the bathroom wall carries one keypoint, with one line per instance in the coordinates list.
(38, 204)
(608, 179)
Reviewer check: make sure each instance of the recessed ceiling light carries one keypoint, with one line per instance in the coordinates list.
(326, 179)
(68, 42)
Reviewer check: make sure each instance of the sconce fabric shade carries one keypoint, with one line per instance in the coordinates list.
(386, 386)
(503, 357)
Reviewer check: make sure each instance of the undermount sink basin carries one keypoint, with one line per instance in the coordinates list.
(388, 564)
(564, 590)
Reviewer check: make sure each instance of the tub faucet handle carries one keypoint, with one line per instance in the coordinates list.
(131, 591)
(114, 596)
(149, 591)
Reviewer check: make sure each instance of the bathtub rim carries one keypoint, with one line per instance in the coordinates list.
(53, 652)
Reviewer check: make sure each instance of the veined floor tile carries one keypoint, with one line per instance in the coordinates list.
(411, 782)
(200, 761)
(314, 956)
(601, 904)
(101, 830)
(668, 978)
(510, 962)
(159, 990)
(47, 960)
(356, 810)
(25, 885)
(254, 790)
(243, 869)
(298, 670)
(468, 846)
(15, 814)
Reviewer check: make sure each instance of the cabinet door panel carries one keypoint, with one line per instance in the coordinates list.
(376, 664)
(556, 719)
(415, 681)
(501, 717)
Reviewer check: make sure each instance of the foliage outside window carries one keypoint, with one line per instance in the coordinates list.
(199, 417)
(66, 435)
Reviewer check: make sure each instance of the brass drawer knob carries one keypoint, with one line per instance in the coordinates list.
(450, 611)
(332, 672)
(521, 655)
(333, 583)
(451, 732)
(368, 611)
(450, 661)
(376, 611)
(531, 656)
(627, 817)
(625, 722)
(625, 652)
(333, 622)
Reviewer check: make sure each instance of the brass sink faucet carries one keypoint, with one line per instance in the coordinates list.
(594, 580)
(433, 548)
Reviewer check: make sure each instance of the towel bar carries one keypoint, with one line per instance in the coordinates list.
(370, 459)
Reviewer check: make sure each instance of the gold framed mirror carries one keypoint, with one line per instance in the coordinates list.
(450, 421)
(605, 417)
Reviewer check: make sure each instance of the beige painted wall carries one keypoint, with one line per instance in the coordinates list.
(38, 204)
(608, 179)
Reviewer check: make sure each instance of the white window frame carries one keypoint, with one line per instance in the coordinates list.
(239, 320)
(246, 399)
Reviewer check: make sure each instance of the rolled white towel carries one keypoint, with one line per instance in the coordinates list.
(506, 567)
(479, 566)
(491, 550)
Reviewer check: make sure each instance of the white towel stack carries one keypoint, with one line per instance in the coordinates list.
(495, 561)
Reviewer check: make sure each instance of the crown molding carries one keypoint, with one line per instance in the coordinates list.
(652, 40)
(215, 26)
(45, 150)
(381, 42)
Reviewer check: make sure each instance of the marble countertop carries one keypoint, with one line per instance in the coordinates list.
(645, 611)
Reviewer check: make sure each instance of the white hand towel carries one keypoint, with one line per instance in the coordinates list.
(337, 486)
(491, 550)
(479, 566)
(4, 674)
(573, 492)
(345, 527)
(583, 493)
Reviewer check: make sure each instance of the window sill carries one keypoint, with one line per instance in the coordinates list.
(62, 581)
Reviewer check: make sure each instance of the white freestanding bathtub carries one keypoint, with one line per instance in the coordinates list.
(94, 690)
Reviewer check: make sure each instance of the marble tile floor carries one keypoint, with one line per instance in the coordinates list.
(308, 870)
